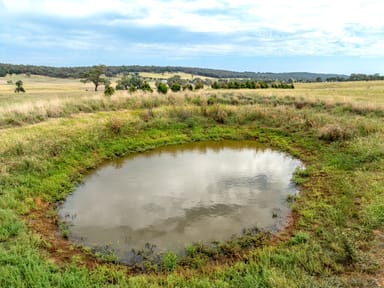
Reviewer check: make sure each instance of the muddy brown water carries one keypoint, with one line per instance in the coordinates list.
(179, 195)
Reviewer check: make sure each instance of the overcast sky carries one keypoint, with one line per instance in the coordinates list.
(243, 35)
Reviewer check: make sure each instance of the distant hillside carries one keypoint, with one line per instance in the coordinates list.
(75, 72)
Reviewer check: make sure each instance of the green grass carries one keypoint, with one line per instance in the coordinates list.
(340, 204)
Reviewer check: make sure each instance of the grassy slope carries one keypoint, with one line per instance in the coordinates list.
(340, 209)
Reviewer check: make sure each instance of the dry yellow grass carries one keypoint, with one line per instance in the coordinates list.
(167, 75)
(360, 91)
(52, 94)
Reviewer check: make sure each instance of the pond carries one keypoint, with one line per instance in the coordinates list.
(179, 195)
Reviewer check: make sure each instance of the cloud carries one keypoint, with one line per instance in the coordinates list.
(188, 29)
(217, 15)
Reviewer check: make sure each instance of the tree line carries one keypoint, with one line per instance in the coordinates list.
(113, 71)
(355, 77)
(250, 84)
(133, 82)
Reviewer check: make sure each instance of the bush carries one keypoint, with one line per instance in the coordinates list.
(169, 261)
(109, 91)
(146, 87)
(218, 114)
(199, 85)
(19, 87)
(176, 87)
(162, 88)
(115, 125)
(334, 132)
(132, 88)
(188, 87)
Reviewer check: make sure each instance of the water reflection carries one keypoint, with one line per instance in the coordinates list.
(178, 195)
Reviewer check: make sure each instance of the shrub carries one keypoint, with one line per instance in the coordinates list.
(334, 132)
(162, 88)
(146, 87)
(169, 261)
(109, 91)
(218, 114)
(191, 250)
(188, 86)
(19, 87)
(176, 87)
(115, 125)
(132, 88)
(199, 85)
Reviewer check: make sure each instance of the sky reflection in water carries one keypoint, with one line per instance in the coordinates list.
(178, 195)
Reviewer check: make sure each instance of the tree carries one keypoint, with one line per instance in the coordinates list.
(94, 75)
(175, 87)
(250, 84)
(176, 80)
(109, 90)
(19, 87)
(199, 83)
(130, 82)
(215, 85)
(146, 87)
(3, 72)
(188, 86)
(162, 88)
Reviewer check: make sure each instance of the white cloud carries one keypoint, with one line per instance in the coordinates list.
(61, 8)
(274, 27)
(221, 15)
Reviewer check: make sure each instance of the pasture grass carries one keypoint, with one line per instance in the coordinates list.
(336, 129)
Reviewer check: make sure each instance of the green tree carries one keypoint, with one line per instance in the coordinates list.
(3, 72)
(199, 84)
(130, 82)
(19, 86)
(250, 84)
(175, 87)
(146, 87)
(162, 88)
(94, 75)
(215, 85)
(176, 80)
(188, 86)
(264, 85)
(109, 90)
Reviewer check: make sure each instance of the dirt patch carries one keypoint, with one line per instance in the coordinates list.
(287, 232)
(43, 221)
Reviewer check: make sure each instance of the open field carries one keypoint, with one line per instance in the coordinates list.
(51, 136)
(41, 88)
(50, 97)
(166, 75)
